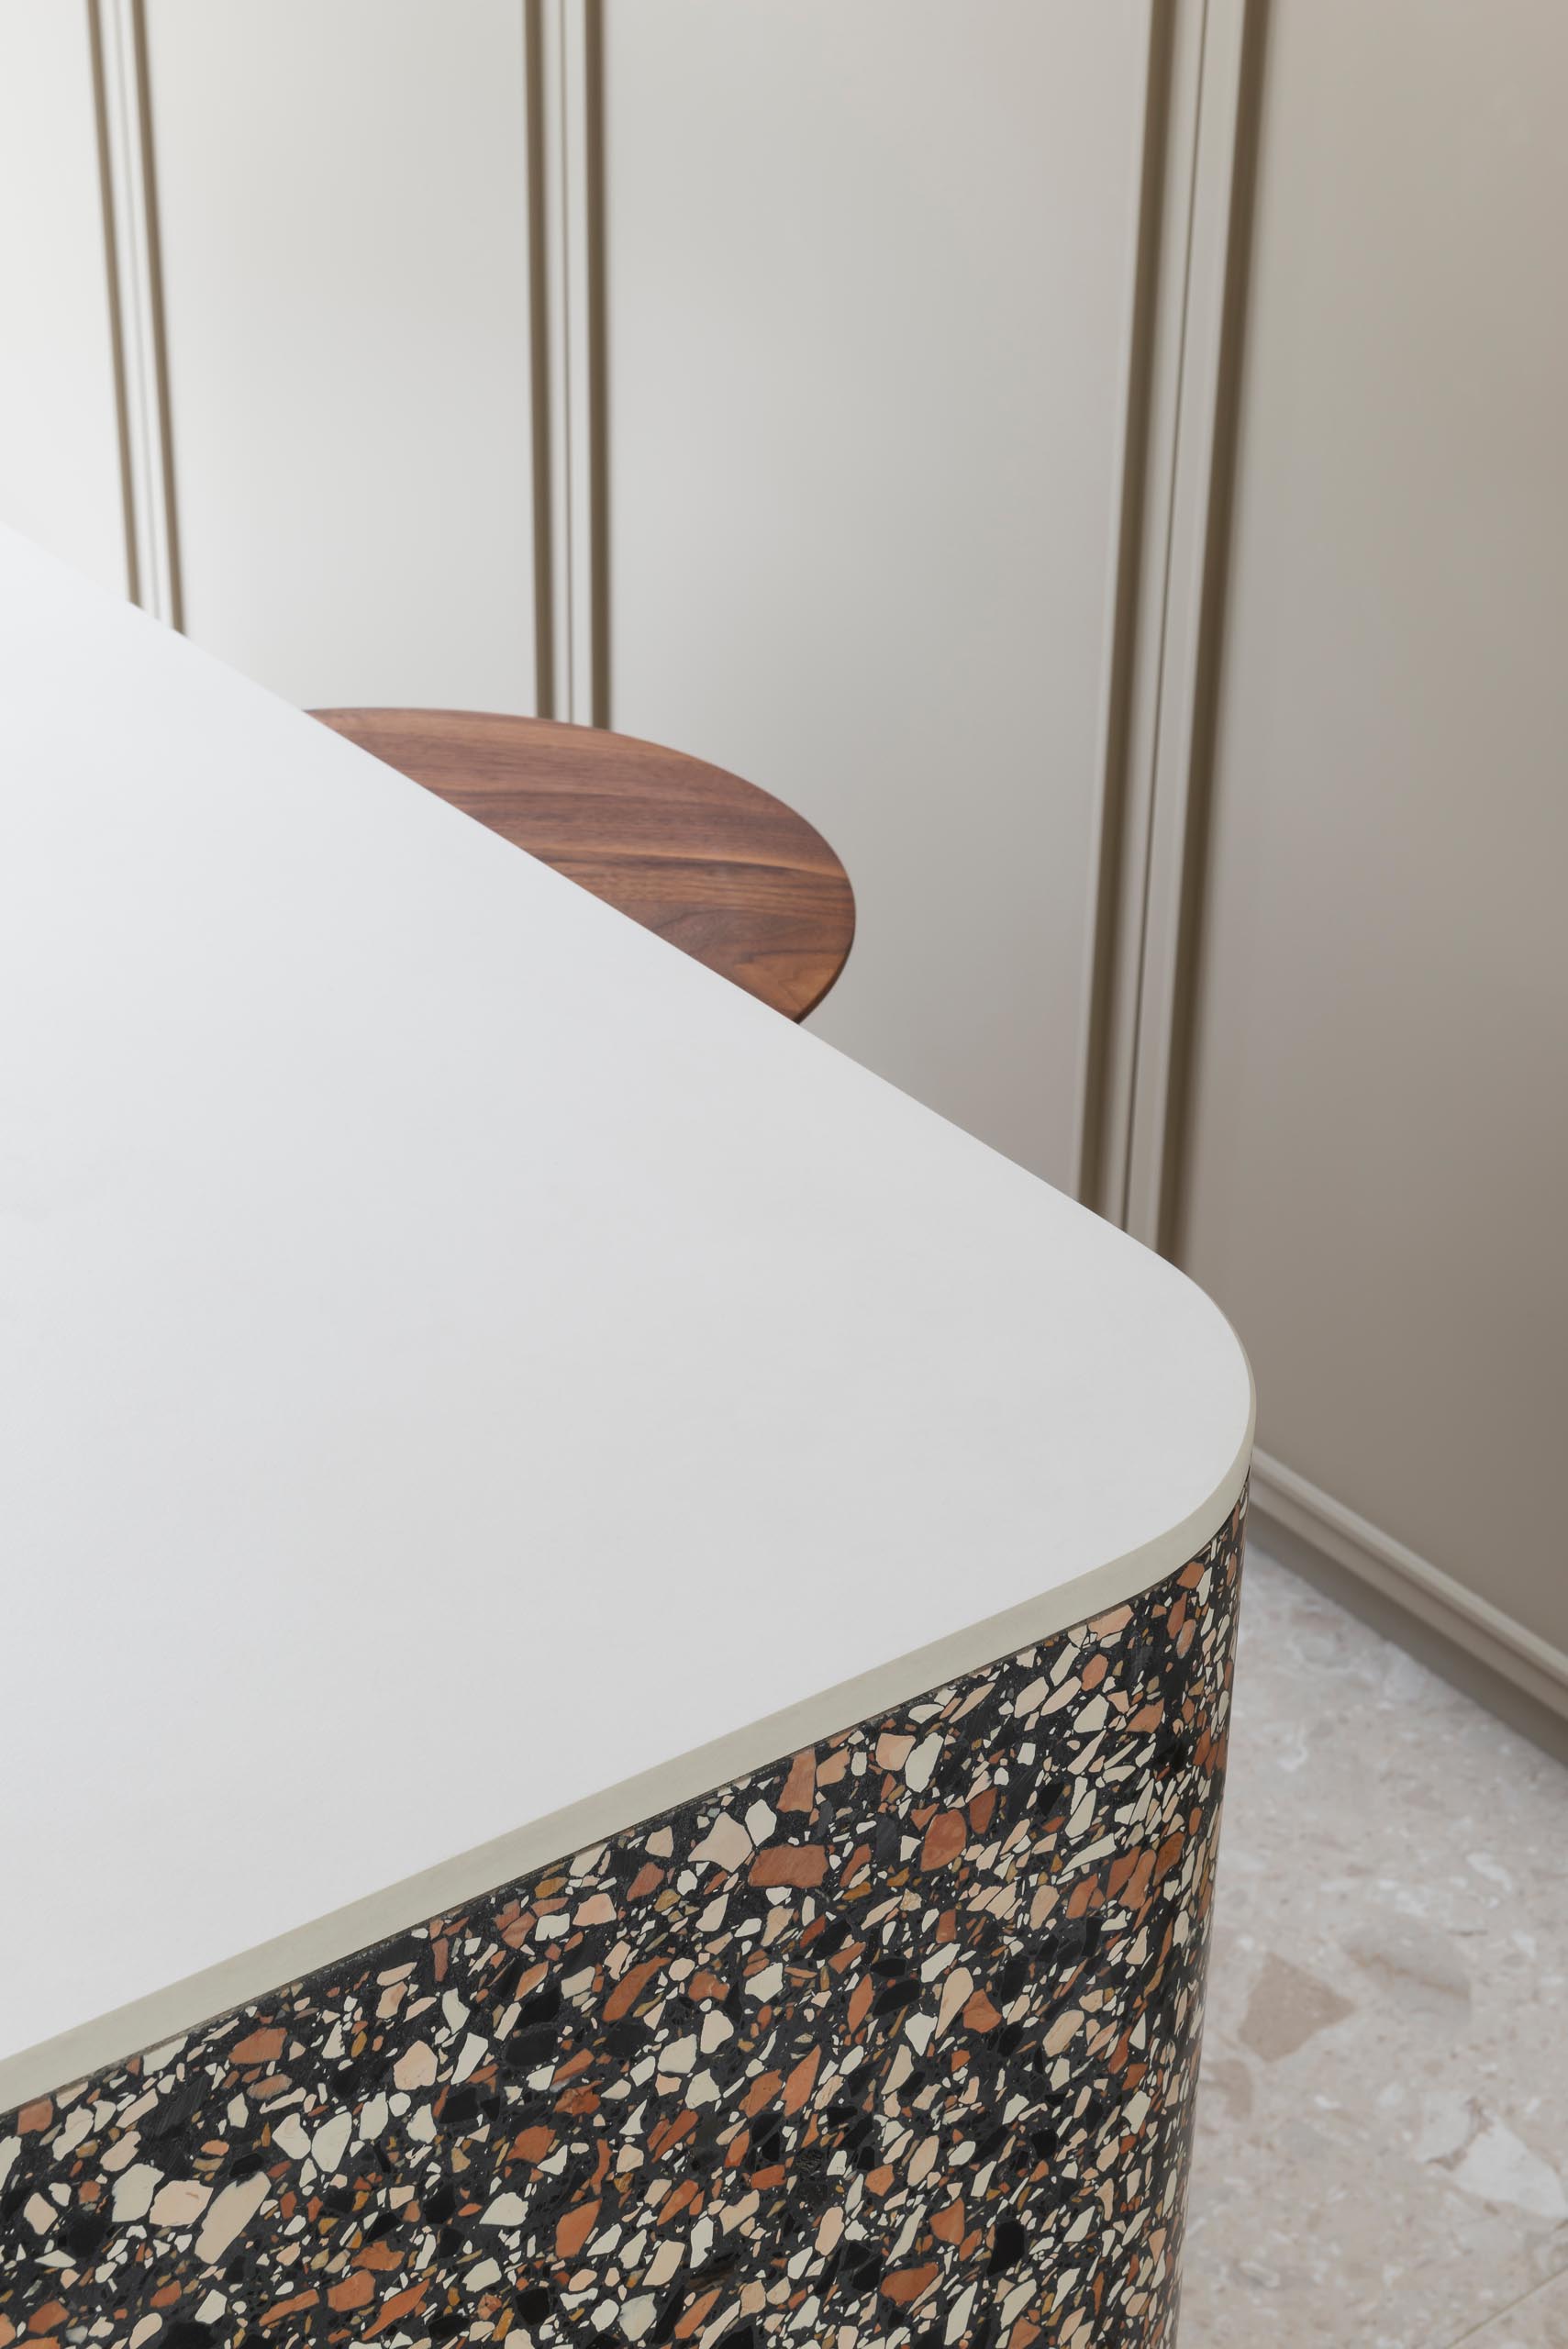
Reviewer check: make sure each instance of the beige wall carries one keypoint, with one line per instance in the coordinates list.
(1378, 1165)
(868, 274)
(343, 196)
(1103, 460)
(59, 456)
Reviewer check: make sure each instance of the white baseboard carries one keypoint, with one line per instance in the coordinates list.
(1473, 1626)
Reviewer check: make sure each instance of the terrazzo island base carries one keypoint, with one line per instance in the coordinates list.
(892, 2041)
(619, 1641)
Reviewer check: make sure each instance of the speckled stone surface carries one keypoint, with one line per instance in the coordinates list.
(890, 2042)
(1538, 2321)
(1382, 2154)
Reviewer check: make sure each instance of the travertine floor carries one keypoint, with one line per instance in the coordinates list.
(1383, 2123)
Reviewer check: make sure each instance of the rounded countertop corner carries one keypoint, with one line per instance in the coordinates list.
(466, 1354)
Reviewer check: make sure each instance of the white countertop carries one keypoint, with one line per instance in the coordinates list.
(470, 1376)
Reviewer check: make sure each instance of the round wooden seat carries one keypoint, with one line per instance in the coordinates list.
(722, 870)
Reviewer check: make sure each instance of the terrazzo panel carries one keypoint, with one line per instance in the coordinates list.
(892, 2041)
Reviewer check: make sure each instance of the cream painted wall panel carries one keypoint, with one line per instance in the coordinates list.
(344, 193)
(1379, 1151)
(60, 473)
(868, 268)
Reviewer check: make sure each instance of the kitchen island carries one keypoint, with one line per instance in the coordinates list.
(618, 1640)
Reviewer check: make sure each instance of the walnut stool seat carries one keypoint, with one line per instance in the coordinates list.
(722, 870)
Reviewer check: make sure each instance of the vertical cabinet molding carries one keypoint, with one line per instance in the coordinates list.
(565, 134)
(1166, 624)
(130, 199)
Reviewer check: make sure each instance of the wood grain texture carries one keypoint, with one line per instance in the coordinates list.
(721, 869)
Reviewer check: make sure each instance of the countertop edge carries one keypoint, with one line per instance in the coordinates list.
(185, 2005)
